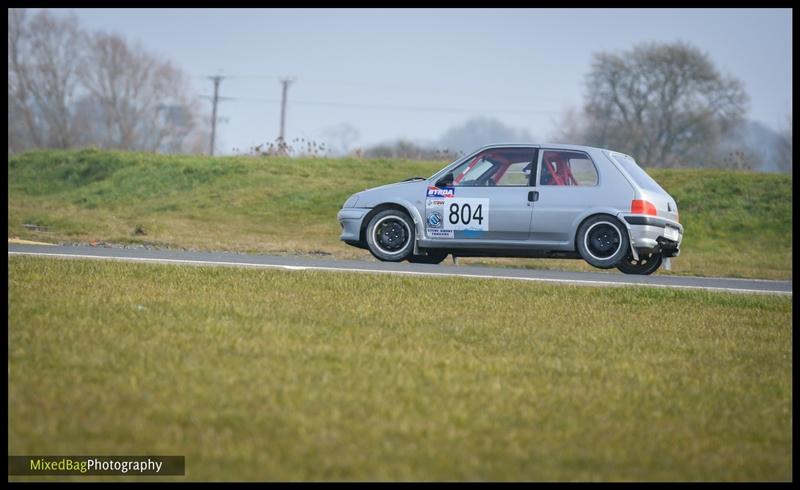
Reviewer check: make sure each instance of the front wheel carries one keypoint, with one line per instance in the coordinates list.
(432, 257)
(390, 235)
(647, 264)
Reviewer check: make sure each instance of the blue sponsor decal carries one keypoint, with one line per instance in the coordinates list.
(472, 233)
(434, 220)
(441, 191)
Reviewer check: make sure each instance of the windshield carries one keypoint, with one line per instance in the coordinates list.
(639, 176)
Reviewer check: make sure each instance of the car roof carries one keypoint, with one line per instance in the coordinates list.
(560, 146)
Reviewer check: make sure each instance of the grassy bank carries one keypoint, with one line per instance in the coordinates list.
(316, 376)
(737, 224)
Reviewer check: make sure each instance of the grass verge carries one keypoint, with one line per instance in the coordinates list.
(274, 375)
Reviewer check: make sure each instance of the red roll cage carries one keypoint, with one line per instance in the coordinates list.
(556, 171)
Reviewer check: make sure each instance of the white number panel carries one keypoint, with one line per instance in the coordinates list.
(465, 213)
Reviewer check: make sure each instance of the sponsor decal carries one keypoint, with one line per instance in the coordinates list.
(441, 191)
(440, 233)
(472, 233)
(435, 220)
(435, 203)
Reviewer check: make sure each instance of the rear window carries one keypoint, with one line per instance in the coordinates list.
(639, 176)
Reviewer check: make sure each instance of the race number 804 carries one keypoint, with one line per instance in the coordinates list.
(466, 214)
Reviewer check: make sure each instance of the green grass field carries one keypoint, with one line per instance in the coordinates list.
(738, 224)
(273, 375)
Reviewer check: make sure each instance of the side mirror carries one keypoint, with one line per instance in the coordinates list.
(446, 180)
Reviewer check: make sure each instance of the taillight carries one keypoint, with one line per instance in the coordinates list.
(640, 206)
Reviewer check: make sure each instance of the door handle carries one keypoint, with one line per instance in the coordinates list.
(533, 196)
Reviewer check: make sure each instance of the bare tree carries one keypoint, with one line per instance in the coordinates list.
(22, 132)
(43, 60)
(665, 104)
(67, 88)
(139, 99)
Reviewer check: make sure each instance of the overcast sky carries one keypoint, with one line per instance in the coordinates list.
(415, 73)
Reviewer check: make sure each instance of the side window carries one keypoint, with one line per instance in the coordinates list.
(516, 174)
(496, 167)
(567, 168)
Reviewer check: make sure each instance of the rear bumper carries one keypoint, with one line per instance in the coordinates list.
(350, 220)
(649, 234)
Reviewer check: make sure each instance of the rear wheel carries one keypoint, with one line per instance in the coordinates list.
(432, 257)
(390, 235)
(602, 241)
(647, 264)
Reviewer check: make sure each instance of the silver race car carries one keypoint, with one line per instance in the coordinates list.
(518, 200)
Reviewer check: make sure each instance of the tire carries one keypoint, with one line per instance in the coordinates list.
(602, 241)
(390, 236)
(432, 257)
(647, 264)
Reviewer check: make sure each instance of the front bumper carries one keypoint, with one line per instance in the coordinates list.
(650, 234)
(350, 220)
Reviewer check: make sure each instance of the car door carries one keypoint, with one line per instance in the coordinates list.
(487, 200)
(567, 185)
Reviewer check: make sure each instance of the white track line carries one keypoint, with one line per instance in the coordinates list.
(380, 271)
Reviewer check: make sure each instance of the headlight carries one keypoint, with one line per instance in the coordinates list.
(351, 202)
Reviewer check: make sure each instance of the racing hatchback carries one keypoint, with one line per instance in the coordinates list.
(519, 200)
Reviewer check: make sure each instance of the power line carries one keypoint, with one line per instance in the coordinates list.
(287, 81)
(395, 108)
(328, 82)
(422, 109)
(241, 76)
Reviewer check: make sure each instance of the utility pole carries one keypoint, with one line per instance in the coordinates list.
(216, 79)
(285, 82)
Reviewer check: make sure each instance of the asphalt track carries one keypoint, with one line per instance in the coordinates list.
(446, 269)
